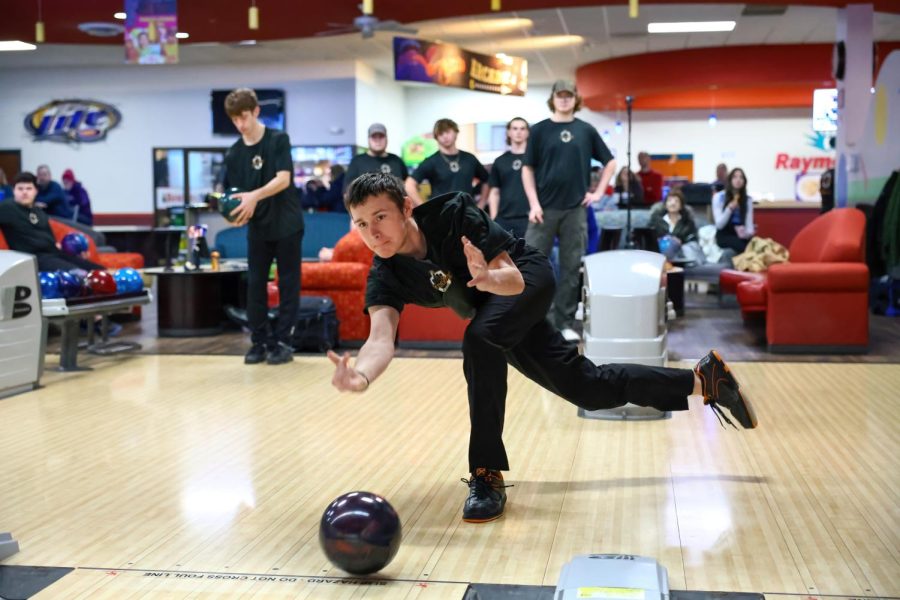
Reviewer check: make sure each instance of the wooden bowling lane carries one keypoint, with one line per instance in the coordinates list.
(200, 468)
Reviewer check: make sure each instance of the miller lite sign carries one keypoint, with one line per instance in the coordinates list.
(72, 121)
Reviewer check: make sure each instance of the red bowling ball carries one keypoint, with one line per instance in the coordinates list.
(100, 283)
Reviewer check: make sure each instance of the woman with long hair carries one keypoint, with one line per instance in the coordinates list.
(733, 213)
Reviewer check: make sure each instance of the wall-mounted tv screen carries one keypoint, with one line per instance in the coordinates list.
(271, 111)
(825, 107)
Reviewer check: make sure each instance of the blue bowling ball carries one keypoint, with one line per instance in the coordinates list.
(69, 284)
(128, 280)
(49, 285)
(74, 244)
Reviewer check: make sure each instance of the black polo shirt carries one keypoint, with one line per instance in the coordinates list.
(560, 154)
(251, 167)
(401, 280)
(26, 229)
(451, 172)
(363, 163)
(506, 175)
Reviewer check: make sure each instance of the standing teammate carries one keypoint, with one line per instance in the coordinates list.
(507, 202)
(449, 169)
(376, 158)
(260, 163)
(448, 252)
(556, 177)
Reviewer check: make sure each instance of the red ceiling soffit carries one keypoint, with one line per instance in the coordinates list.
(711, 78)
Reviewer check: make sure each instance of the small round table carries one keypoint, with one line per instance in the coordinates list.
(192, 303)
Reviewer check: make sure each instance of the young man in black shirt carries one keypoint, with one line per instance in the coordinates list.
(449, 169)
(26, 228)
(507, 202)
(448, 252)
(260, 163)
(556, 177)
(376, 159)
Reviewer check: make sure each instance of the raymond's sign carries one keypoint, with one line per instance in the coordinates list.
(72, 121)
(452, 66)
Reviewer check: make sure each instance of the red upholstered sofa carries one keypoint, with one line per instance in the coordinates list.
(817, 302)
(110, 260)
(343, 279)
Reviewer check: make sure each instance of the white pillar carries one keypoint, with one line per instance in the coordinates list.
(855, 30)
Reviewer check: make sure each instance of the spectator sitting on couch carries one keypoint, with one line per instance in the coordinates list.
(78, 198)
(26, 228)
(674, 219)
(50, 195)
(733, 213)
(5, 189)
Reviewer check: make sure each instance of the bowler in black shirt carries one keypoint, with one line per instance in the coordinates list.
(448, 252)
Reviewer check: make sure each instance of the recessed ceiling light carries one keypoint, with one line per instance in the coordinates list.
(690, 27)
(15, 45)
(120, 16)
(247, 43)
(182, 35)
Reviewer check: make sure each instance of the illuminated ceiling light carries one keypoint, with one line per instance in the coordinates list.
(690, 27)
(633, 9)
(182, 35)
(542, 42)
(120, 16)
(39, 26)
(15, 46)
(253, 16)
(713, 120)
(247, 43)
(475, 27)
(495, 5)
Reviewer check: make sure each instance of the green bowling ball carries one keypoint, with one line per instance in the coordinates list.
(228, 204)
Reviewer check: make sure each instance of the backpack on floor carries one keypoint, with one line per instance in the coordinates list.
(316, 329)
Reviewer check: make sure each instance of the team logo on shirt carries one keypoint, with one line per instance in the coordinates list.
(386, 169)
(440, 281)
(566, 136)
(454, 166)
(517, 164)
(33, 218)
(257, 162)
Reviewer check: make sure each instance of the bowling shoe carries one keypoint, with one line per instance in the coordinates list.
(487, 497)
(720, 388)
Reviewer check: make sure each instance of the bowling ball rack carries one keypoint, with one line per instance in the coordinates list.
(68, 312)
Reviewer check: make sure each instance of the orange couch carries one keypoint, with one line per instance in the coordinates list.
(819, 300)
(343, 279)
(110, 260)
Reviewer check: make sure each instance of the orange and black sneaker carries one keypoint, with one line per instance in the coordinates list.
(486, 496)
(720, 388)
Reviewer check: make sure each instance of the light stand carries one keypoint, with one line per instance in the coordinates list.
(629, 236)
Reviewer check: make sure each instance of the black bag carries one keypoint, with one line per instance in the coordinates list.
(316, 326)
(316, 329)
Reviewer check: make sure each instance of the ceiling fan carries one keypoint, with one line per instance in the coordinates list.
(367, 24)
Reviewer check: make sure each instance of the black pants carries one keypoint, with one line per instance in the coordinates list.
(514, 330)
(59, 261)
(259, 258)
(727, 237)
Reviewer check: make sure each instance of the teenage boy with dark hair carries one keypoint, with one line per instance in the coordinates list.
(556, 177)
(449, 169)
(26, 228)
(507, 202)
(260, 163)
(448, 252)
(376, 158)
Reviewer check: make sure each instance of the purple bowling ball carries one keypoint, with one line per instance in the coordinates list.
(74, 244)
